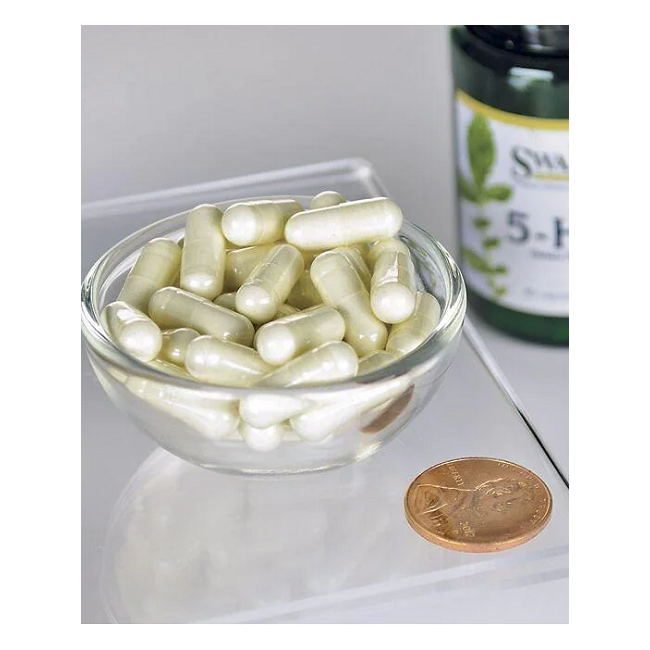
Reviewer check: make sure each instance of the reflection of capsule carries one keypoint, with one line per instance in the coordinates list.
(317, 424)
(157, 267)
(269, 284)
(171, 308)
(341, 287)
(132, 330)
(213, 418)
(409, 334)
(344, 224)
(203, 260)
(257, 222)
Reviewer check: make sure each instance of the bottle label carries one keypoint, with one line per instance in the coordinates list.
(513, 188)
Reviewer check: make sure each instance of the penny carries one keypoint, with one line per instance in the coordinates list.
(478, 505)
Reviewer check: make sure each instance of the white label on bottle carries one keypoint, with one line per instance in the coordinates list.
(513, 179)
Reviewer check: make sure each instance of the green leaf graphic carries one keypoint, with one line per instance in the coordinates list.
(491, 242)
(476, 261)
(481, 223)
(466, 189)
(501, 269)
(481, 150)
(498, 192)
(500, 291)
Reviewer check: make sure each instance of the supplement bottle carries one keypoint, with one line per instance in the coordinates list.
(511, 87)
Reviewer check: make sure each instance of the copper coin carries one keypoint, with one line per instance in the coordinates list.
(478, 505)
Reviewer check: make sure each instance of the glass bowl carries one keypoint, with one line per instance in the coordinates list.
(339, 423)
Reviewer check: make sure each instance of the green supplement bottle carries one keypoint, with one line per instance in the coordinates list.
(511, 100)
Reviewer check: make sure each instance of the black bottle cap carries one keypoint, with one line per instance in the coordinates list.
(546, 40)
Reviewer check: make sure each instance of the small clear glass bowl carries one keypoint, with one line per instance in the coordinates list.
(200, 422)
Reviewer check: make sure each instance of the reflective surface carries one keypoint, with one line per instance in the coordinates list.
(395, 577)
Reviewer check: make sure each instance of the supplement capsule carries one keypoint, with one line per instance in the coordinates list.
(157, 267)
(286, 310)
(213, 418)
(241, 262)
(269, 284)
(264, 439)
(261, 410)
(226, 300)
(392, 245)
(257, 222)
(132, 330)
(228, 364)
(317, 424)
(330, 362)
(374, 361)
(344, 224)
(204, 253)
(285, 338)
(174, 345)
(169, 368)
(341, 287)
(359, 264)
(326, 199)
(392, 288)
(171, 308)
(304, 294)
(409, 334)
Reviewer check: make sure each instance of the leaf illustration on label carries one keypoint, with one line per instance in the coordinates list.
(491, 242)
(501, 269)
(481, 150)
(481, 223)
(466, 189)
(498, 192)
(500, 291)
(476, 261)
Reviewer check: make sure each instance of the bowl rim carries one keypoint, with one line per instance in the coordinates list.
(451, 317)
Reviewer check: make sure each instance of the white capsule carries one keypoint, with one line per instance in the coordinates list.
(263, 439)
(132, 330)
(203, 260)
(326, 199)
(374, 361)
(304, 294)
(171, 308)
(359, 264)
(317, 424)
(157, 267)
(262, 410)
(392, 289)
(174, 345)
(409, 334)
(226, 300)
(241, 262)
(285, 338)
(211, 417)
(227, 364)
(330, 362)
(392, 245)
(340, 286)
(257, 222)
(344, 224)
(270, 283)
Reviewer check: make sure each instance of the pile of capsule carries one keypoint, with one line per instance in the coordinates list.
(269, 294)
